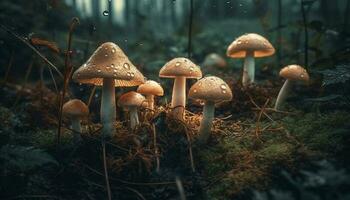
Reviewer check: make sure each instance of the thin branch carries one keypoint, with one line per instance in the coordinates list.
(32, 48)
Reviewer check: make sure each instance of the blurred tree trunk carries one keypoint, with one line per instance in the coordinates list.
(173, 14)
(127, 12)
(346, 17)
(279, 33)
(111, 13)
(329, 11)
(96, 9)
(74, 3)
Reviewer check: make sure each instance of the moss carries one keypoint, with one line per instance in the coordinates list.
(324, 133)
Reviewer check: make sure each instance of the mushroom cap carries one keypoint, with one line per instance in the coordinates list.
(210, 88)
(295, 73)
(151, 87)
(131, 99)
(109, 61)
(214, 60)
(180, 67)
(75, 109)
(250, 42)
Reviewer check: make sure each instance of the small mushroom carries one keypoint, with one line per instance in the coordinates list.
(150, 89)
(75, 110)
(291, 73)
(132, 101)
(214, 61)
(108, 67)
(250, 46)
(180, 69)
(211, 90)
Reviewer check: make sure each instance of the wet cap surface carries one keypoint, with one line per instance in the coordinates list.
(75, 108)
(295, 73)
(210, 88)
(250, 42)
(180, 67)
(109, 61)
(151, 87)
(131, 99)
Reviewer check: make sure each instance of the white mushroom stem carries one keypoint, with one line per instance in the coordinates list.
(207, 121)
(108, 108)
(283, 93)
(178, 99)
(248, 69)
(150, 100)
(134, 118)
(76, 125)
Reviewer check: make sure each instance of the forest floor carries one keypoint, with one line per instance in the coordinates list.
(252, 149)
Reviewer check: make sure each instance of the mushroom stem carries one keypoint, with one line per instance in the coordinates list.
(108, 108)
(134, 118)
(248, 69)
(283, 94)
(150, 100)
(207, 121)
(76, 127)
(178, 100)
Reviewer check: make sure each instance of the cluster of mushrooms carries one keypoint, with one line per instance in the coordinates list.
(109, 67)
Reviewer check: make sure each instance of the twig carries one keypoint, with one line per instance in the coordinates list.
(9, 66)
(189, 47)
(108, 187)
(91, 96)
(180, 188)
(32, 48)
(257, 129)
(67, 71)
(136, 192)
(155, 147)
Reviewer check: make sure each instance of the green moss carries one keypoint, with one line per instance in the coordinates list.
(245, 162)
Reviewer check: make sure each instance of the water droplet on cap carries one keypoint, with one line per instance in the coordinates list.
(223, 86)
(99, 71)
(177, 64)
(126, 66)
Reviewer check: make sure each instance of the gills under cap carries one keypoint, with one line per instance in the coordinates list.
(210, 88)
(151, 88)
(109, 61)
(180, 67)
(250, 42)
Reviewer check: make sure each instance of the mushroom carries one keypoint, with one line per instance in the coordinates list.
(75, 110)
(291, 73)
(250, 46)
(131, 101)
(150, 89)
(180, 69)
(108, 67)
(210, 89)
(214, 60)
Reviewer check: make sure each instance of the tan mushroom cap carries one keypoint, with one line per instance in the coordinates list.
(151, 87)
(75, 109)
(210, 88)
(109, 61)
(250, 42)
(131, 99)
(180, 67)
(295, 73)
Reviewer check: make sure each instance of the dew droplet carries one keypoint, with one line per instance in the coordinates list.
(126, 66)
(105, 13)
(106, 55)
(191, 68)
(128, 74)
(132, 74)
(85, 65)
(99, 71)
(194, 91)
(223, 87)
(224, 91)
(115, 70)
(302, 75)
(112, 65)
(239, 42)
(113, 50)
(177, 64)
